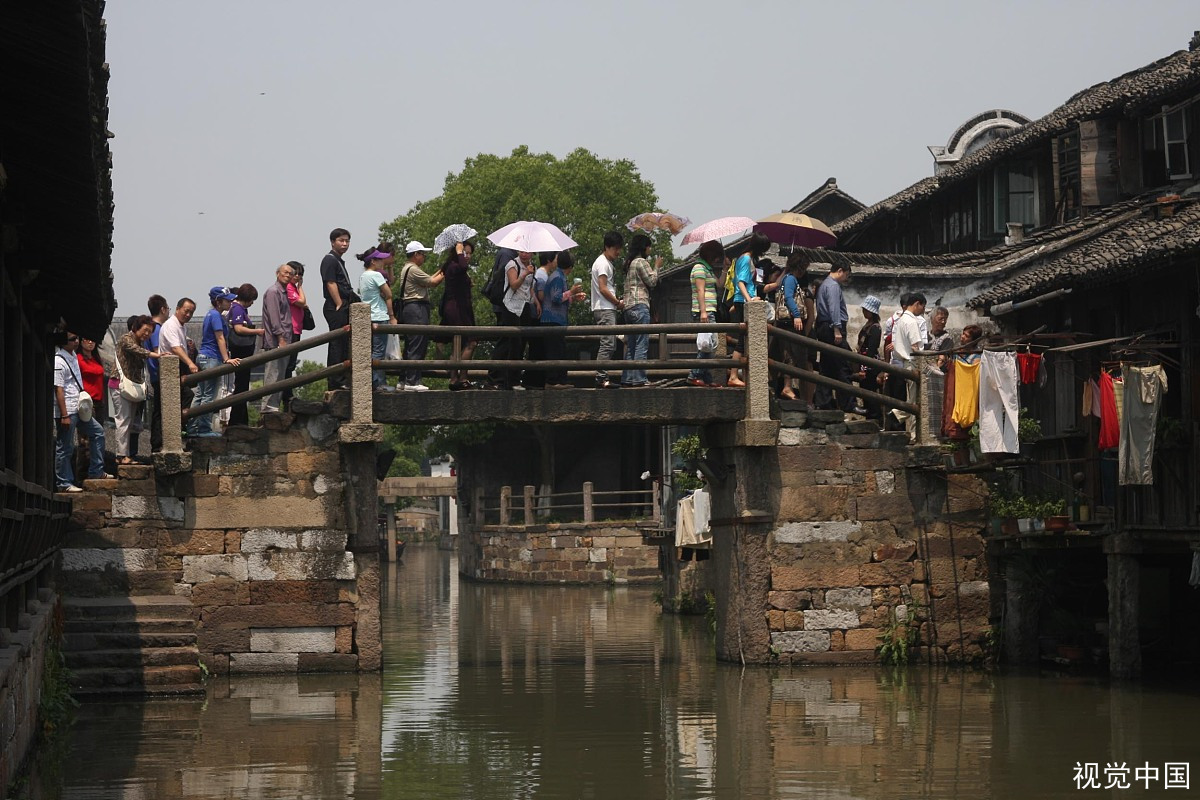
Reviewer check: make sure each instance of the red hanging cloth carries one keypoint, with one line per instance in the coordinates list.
(1110, 429)
(1028, 365)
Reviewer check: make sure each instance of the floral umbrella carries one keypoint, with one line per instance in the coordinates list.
(658, 221)
(452, 235)
(718, 229)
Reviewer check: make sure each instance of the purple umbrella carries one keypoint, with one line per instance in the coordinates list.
(718, 229)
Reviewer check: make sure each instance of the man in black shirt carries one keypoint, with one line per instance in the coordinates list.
(339, 294)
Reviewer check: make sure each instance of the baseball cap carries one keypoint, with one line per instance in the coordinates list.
(220, 293)
(416, 247)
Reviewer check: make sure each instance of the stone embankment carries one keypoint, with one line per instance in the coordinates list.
(858, 533)
(235, 555)
(567, 552)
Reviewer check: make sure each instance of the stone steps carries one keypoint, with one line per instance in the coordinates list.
(131, 646)
(152, 607)
(133, 637)
(107, 583)
(133, 657)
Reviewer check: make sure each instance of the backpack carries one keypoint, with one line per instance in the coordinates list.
(497, 282)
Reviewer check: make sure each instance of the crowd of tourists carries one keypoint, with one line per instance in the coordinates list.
(94, 387)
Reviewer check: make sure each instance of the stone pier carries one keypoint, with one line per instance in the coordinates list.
(268, 533)
(830, 537)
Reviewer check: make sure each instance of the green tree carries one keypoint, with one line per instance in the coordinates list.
(310, 391)
(583, 194)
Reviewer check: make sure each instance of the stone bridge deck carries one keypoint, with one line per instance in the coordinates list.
(652, 406)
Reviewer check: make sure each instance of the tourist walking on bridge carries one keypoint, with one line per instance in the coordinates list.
(132, 357)
(213, 352)
(412, 287)
(375, 292)
(605, 303)
(68, 383)
(640, 278)
(457, 308)
(277, 331)
(832, 318)
(243, 340)
(703, 278)
(335, 283)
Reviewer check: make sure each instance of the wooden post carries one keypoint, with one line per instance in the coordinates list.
(455, 352)
(664, 347)
(362, 403)
(589, 511)
(529, 490)
(505, 502)
(758, 376)
(477, 510)
(389, 508)
(172, 417)
(656, 509)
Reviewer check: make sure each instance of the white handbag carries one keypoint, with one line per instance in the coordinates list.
(131, 391)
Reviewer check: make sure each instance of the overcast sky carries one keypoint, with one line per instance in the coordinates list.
(246, 130)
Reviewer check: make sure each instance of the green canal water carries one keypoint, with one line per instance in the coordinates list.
(542, 692)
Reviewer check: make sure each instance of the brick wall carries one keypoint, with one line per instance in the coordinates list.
(596, 552)
(22, 661)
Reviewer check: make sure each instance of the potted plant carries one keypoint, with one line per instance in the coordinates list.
(1054, 515)
(1003, 511)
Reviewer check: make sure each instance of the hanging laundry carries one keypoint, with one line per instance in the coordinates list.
(966, 393)
(1143, 391)
(950, 428)
(1119, 399)
(1091, 399)
(1086, 410)
(703, 505)
(1110, 431)
(998, 404)
(692, 513)
(1028, 364)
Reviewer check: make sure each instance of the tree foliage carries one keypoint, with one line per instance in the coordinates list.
(583, 194)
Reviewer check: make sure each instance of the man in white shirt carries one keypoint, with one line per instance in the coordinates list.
(907, 339)
(605, 302)
(68, 383)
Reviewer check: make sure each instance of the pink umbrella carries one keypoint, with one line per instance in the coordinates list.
(531, 236)
(718, 229)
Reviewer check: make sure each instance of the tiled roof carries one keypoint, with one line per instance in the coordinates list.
(1127, 94)
(1133, 240)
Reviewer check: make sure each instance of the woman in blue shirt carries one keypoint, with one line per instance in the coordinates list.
(743, 291)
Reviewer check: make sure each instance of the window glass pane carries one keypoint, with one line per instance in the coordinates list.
(1177, 158)
(1020, 207)
(1175, 126)
(1020, 177)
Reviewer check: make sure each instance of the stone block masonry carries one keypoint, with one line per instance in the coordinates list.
(849, 532)
(258, 534)
(574, 553)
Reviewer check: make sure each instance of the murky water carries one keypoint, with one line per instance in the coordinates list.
(522, 692)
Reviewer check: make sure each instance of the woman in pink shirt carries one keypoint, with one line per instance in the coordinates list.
(298, 302)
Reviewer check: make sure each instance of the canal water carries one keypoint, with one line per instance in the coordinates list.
(544, 692)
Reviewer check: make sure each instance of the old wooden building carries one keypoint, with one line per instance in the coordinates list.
(55, 242)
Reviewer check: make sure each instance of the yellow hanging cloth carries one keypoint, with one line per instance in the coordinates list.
(966, 393)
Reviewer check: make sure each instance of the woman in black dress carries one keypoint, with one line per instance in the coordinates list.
(457, 308)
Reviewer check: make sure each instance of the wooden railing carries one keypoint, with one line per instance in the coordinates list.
(32, 525)
(532, 508)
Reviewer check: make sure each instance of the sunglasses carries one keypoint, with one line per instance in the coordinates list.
(72, 338)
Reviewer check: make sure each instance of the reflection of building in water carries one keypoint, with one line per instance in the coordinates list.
(293, 736)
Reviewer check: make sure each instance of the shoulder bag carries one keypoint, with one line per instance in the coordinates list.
(131, 391)
(87, 405)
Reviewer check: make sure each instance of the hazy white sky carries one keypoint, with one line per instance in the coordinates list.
(246, 130)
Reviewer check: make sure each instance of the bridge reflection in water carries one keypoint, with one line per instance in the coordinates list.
(493, 691)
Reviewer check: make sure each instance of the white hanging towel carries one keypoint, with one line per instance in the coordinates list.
(703, 505)
(998, 403)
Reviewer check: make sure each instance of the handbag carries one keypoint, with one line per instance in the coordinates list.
(309, 323)
(782, 313)
(130, 390)
(87, 406)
